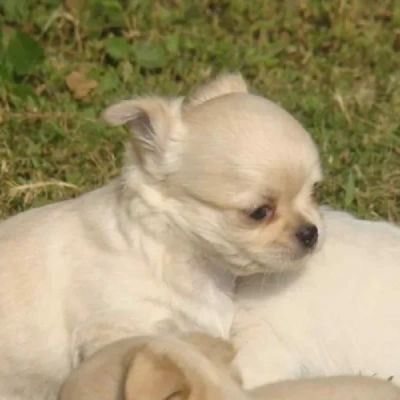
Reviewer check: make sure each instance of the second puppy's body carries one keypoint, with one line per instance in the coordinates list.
(197, 367)
(340, 315)
(343, 387)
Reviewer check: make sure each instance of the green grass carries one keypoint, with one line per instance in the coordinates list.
(334, 65)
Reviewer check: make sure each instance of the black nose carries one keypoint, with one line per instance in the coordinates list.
(308, 236)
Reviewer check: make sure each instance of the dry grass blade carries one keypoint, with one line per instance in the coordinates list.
(37, 186)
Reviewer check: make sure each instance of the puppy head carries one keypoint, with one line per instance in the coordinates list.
(235, 171)
(173, 369)
(253, 171)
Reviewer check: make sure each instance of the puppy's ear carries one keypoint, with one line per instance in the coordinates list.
(223, 84)
(154, 122)
(154, 376)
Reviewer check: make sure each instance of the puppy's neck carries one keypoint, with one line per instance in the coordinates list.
(201, 286)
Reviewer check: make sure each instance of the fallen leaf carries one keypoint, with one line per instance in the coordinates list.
(80, 85)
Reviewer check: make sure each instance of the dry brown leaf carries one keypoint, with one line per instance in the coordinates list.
(80, 85)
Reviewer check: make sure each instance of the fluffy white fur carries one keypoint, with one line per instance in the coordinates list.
(162, 243)
(339, 315)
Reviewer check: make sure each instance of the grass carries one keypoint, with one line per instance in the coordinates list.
(334, 65)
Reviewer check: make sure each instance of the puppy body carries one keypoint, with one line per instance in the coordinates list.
(72, 282)
(155, 367)
(197, 368)
(337, 316)
(328, 388)
(163, 243)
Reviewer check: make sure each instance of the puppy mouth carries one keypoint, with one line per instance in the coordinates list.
(281, 259)
(298, 252)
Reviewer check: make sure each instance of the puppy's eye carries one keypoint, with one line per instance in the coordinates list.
(315, 191)
(263, 213)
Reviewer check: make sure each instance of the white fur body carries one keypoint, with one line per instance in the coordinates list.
(340, 315)
(73, 279)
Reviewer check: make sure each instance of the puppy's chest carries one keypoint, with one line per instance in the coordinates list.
(202, 297)
(207, 310)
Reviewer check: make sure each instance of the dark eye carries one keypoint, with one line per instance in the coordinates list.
(315, 190)
(262, 213)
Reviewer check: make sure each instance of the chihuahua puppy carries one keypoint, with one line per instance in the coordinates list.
(153, 367)
(197, 367)
(203, 197)
(339, 315)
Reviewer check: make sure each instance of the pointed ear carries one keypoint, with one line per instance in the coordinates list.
(153, 376)
(150, 119)
(153, 122)
(223, 84)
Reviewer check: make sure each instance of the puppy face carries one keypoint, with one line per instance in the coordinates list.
(237, 173)
(251, 173)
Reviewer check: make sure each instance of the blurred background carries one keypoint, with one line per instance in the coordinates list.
(335, 65)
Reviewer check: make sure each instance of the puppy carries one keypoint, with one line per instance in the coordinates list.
(203, 197)
(339, 315)
(129, 368)
(197, 368)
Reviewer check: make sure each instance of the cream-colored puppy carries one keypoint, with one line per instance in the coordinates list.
(197, 367)
(215, 185)
(135, 367)
(339, 315)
